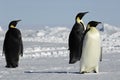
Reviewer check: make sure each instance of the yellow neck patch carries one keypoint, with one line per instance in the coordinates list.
(88, 26)
(80, 21)
(12, 26)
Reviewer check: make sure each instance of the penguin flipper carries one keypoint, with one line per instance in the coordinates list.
(101, 55)
(72, 61)
(3, 52)
(73, 58)
(21, 48)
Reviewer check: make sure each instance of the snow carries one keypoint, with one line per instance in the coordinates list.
(56, 35)
(46, 56)
(110, 29)
(1, 30)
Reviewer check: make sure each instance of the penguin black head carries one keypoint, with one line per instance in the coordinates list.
(13, 23)
(93, 23)
(80, 16)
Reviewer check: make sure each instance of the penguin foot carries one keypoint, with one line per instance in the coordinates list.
(83, 72)
(8, 66)
(11, 66)
(14, 66)
(95, 71)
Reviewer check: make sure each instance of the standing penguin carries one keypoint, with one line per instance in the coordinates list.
(13, 46)
(75, 37)
(91, 50)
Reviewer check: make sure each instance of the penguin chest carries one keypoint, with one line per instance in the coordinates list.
(91, 50)
(91, 43)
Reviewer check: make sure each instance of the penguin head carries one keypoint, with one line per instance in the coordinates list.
(13, 24)
(92, 24)
(80, 16)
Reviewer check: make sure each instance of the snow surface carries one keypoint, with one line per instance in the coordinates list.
(46, 56)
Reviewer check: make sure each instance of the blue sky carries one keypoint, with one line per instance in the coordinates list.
(35, 13)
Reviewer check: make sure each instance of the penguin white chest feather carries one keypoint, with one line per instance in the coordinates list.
(90, 51)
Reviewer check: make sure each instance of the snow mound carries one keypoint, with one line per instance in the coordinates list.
(47, 34)
(1, 29)
(111, 43)
(109, 29)
(1, 34)
(40, 33)
(53, 41)
(46, 52)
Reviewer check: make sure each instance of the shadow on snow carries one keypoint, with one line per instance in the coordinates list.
(49, 72)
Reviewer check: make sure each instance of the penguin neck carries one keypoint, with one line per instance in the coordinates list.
(79, 21)
(88, 27)
(12, 27)
(93, 29)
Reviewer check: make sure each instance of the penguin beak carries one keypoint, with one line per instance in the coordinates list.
(99, 22)
(86, 12)
(102, 27)
(82, 14)
(18, 20)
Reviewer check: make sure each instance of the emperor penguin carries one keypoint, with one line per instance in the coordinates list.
(13, 45)
(91, 50)
(75, 37)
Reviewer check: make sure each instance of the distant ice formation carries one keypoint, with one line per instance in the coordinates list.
(33, 39)
(1, 29)
(110, 29)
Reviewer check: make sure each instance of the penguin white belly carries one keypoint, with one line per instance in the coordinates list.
(91, 52)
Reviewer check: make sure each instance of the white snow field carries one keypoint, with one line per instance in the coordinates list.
(46, 56)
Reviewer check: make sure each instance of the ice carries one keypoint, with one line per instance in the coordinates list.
(1, 30)
(44, 68)
(109, 29)
(48, 37)
(46, 56)
(47, 34)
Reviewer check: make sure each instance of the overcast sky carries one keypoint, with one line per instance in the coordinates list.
(58, 12)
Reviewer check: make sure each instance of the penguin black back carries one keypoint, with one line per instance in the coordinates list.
(13, 46)
(75, 37)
